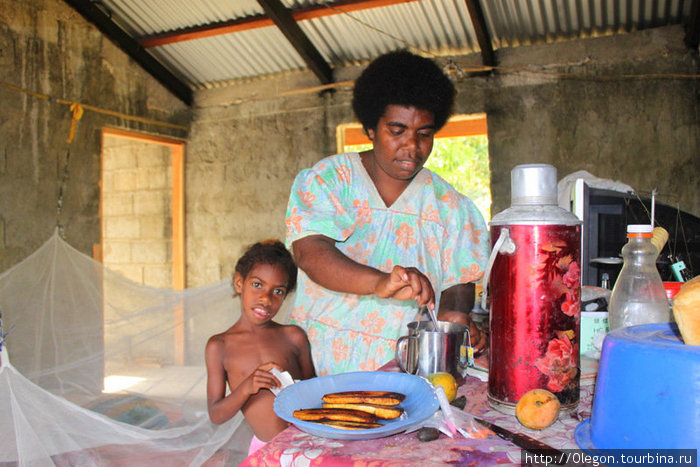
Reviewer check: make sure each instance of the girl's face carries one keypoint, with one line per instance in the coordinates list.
(262, 291)
(402, 141)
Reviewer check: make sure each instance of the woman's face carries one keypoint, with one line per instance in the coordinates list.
(402, 141)
(262, 291)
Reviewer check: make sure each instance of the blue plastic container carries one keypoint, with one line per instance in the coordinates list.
(647, 393)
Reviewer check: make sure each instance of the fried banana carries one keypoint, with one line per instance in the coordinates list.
(342, 415)
(365, 397)
(349, 425)
(385, 412)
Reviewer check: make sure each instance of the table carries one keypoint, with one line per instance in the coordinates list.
(294, 447)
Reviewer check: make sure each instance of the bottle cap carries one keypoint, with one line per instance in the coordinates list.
(640, 228)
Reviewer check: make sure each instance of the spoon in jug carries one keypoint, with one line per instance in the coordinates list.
(433, 317)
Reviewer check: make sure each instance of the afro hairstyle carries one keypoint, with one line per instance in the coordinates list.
(402, 78)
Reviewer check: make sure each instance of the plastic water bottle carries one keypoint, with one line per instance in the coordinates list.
(638, 296)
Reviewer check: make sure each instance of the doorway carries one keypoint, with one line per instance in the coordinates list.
(142, 219)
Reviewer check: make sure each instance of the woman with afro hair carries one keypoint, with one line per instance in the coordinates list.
(375, 234)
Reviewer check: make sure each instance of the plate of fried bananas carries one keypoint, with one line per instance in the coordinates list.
(357, 405)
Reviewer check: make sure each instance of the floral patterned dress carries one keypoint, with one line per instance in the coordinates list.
(430, 226)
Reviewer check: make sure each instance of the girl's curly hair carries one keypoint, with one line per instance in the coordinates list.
(402, 78)
(271, 252)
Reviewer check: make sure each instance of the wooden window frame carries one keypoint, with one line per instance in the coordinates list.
(351, 134)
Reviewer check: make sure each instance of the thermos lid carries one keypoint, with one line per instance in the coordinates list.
(534, 198)
(533, 184)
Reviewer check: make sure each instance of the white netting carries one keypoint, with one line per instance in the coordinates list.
(98, 370)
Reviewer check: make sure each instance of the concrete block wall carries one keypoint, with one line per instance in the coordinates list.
(136, 210)
(241, 160)
(46, 47)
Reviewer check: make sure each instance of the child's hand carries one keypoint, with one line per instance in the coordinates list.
(261, 378)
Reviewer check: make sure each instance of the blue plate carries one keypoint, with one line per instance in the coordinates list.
(420, 402)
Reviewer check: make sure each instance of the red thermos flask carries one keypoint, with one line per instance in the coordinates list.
(534, 283)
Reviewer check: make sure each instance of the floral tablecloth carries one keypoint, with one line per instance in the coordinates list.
(293, 447)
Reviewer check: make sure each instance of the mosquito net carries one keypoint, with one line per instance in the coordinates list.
(98, 370)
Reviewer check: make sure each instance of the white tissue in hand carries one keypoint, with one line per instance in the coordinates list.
(284, 378)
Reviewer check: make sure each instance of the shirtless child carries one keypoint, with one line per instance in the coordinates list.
(243, 355)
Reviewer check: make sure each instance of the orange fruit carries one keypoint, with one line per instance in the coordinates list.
(448, 383)
(537, 409)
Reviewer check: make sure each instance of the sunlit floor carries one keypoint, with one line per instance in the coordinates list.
(167, 382)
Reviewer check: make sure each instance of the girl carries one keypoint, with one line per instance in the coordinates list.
(243, 355)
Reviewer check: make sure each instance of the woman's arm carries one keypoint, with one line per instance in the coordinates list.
(459, 297)
(455, 305)
(319, 258)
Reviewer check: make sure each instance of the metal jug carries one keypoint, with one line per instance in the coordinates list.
(427, 350)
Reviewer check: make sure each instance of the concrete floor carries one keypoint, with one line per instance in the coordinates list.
(178, 384)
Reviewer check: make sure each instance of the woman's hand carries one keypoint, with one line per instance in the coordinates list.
(319, 258)
(405, 284)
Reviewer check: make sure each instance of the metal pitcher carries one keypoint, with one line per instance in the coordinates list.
(427, 350)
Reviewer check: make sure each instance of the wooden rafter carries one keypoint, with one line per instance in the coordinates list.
(301, 43)
(483, 37)
(692, 29)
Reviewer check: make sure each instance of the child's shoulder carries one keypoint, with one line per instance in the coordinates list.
(223, 337)
(217, 340)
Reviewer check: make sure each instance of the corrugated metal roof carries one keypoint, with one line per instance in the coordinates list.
(438, 27)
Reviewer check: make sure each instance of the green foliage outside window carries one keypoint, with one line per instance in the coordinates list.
(464, 163)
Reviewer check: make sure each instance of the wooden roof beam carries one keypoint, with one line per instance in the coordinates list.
(488, 57)
(282, 17)
(692, 29)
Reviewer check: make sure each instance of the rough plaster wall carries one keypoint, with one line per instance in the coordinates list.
(249, 141)
(48, 48)
(643, 131)
(241, 161)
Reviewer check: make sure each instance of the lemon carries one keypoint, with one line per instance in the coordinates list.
(448, 383)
